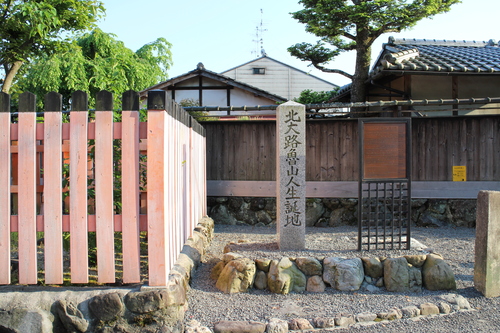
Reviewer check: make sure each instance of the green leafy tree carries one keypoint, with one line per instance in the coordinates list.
(309, 96)
(97, 61)
(31, 28)
(353, 25)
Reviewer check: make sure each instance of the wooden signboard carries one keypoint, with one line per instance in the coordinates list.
(385, 150)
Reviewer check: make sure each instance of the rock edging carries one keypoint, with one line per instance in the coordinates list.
(446, 305)
(234, 273)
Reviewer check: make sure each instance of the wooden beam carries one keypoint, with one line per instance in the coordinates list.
(204, 88)
(349, 189)
(454, 93)
(200, 90)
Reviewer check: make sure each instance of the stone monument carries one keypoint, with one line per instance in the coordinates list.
(290, 175)
(487, 248)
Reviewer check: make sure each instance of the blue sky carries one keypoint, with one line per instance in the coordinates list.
(222, 33)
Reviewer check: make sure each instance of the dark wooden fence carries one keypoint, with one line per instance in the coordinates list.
(247, 150)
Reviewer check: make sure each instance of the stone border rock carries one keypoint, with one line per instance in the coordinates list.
(449, 304)
(235, 273)
(150, 309)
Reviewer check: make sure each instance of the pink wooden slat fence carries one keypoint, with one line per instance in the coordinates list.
(176, 186)
(5, 176)
(53, 187)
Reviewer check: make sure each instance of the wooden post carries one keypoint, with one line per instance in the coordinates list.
(27, 189)
(104, 187)
(5, 174)
(173, 197)
(52, 190)
(78, 188)
(130, 187)
(159, 185)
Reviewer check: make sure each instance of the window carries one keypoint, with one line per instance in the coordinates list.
(259, 71)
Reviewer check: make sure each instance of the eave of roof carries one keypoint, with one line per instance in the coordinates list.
(201, 71)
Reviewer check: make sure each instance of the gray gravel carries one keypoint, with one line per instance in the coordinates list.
(208, 305)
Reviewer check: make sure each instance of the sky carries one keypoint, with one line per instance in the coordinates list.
(222, 34)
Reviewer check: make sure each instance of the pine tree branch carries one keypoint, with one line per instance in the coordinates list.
(330, 70)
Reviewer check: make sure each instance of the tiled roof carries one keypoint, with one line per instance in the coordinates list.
(434, 56)
(438, 56)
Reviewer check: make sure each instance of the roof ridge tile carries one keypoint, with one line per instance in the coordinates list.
(439, 42)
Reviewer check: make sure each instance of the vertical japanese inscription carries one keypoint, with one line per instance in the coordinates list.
(290, 173)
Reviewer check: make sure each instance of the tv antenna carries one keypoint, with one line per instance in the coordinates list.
(259, 39)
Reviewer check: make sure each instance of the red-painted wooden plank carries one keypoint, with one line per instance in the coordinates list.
(104, 196)
(53, 198)
(158, 184)
(27, 197)
(40, 220)
(78, 197)
(130, 197)
(173, 196)
(5, 174)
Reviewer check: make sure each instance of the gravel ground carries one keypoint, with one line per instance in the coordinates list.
(208, 305)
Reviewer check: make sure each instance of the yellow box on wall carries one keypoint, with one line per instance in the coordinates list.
(459, 173)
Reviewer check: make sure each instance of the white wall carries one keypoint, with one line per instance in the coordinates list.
(278, 79)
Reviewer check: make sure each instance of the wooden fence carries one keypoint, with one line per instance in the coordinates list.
(243, 157)
(34, 153)
(246, 150)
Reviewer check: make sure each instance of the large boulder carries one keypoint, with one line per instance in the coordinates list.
(263, 217)
(373, 267)
(396, 275)
(284, 277)
(343, 274)
(237, 276)
(342, 216)
(106, 307)
(414, 279)
(315, 284)
(309, 266)
(437, 274)
(463, 212)
(314, 210)
(72, 318)
(146, 301)
(416, 260)
(260, 280)
(263, 264)
(221, 215)
(216, 270)
(23, 320)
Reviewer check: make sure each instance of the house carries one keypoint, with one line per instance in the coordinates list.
(421, 69)
(206, 88)
(277, 77)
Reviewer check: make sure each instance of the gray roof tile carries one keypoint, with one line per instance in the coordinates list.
(439, 56)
